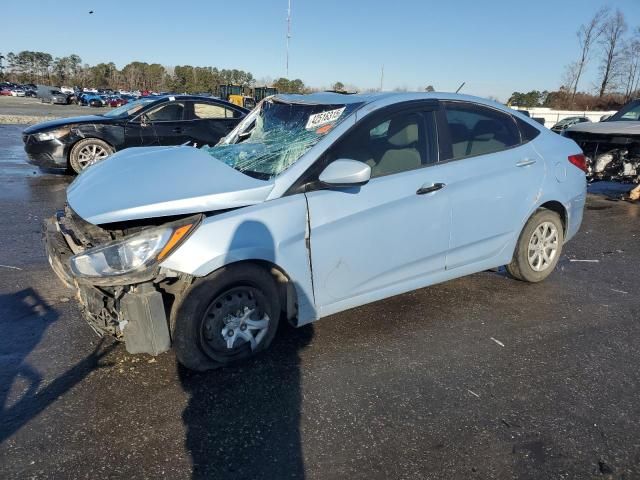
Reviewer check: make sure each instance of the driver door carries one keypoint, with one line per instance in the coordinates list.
(161, 125)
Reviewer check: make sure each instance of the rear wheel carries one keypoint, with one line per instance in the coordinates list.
(225, 318)
(87, 152)
(539, 247)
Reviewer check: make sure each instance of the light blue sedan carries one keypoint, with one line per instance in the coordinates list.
(314, 204)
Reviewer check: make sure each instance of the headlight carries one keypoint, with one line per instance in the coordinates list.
(134, 254)
(61, 132)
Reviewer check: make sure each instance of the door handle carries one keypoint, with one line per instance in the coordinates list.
(525, 163)
(177, 130)
(430, 188)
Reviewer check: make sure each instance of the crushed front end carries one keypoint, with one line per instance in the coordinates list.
(132, 305)
(609, 156)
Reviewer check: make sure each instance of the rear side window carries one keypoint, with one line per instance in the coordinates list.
(527, 132)
(476, 130)
(209, 110)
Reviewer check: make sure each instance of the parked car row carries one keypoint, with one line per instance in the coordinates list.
(18, 90)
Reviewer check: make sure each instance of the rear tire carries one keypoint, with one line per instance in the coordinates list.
(539, 247)
(213, 320)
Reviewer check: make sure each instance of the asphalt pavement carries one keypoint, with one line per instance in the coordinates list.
(477, 378)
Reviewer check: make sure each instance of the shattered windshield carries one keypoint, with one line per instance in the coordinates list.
(275, 135)
(130, 108)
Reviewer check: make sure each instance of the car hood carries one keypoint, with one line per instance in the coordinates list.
(607, 128)
(62, 122)
(148, 182)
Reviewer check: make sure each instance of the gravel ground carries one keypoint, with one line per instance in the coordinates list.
(22, 110)
(478, 378)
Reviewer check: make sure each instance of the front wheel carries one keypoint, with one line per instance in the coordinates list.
(539, 247)
(224, 318)
(87, 152)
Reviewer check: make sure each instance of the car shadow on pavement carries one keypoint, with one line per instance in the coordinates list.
(24, 319)
(244, 422)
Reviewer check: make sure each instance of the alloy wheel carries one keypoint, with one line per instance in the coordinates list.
(90, 154)
(543, 246)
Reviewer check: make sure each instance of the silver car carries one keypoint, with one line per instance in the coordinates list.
(312, 205)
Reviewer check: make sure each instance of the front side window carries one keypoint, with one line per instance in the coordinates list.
(276, 134)
(389, 145)
(168, 112)
(210, 110)
(130, 108)
(477, 130)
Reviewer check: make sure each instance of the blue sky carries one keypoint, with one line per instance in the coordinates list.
(495, 46)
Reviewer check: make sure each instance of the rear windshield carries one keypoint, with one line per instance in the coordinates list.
(275, 135)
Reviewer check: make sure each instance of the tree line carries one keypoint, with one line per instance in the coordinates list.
(43, 68)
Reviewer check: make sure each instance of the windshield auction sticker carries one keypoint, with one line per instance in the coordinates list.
(322, 118)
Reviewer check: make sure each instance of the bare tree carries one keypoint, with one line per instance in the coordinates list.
(631, 64)
(588, 34)
(612, 44)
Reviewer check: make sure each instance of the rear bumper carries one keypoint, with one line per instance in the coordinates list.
(575, 212)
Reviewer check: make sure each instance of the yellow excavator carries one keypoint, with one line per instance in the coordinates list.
(242, 101)
(246, 97)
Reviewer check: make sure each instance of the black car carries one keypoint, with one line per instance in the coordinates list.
(74, 143)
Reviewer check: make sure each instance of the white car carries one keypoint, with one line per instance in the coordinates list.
(17, 92)
(312, 205)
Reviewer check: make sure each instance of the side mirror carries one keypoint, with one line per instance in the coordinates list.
(345, 173)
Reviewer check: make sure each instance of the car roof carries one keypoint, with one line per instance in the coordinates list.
(332, 98)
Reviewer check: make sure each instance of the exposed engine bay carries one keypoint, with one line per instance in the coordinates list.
(610, 157)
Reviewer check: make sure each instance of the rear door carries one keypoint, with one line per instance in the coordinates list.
(210, 121)
(494, 178)
(160, 125)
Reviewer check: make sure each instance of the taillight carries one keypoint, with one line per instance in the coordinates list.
(579, 161)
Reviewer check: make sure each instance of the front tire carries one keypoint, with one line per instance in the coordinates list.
(87, 152)
(539, 247)
(226, 317)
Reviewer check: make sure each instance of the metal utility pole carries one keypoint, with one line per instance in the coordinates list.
(288, 34)
(381, 77)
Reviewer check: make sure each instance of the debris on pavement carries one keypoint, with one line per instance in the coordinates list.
(473, 393)
(10, 267)
(498, 342)
(619, 291)
(586, 261)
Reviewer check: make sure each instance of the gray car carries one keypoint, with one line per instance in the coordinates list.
(612, 146)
